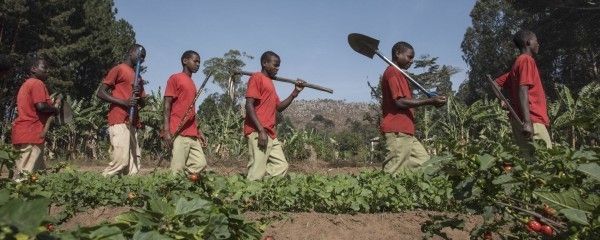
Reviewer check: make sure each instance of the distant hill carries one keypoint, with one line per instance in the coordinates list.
(327, 113)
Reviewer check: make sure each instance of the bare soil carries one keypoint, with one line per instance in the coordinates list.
(406, 225)
(311, 225)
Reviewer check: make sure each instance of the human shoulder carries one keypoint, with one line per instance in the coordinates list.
(34, 82)
(392, 73)
(177, 76)
(524, 58)
(259, 75)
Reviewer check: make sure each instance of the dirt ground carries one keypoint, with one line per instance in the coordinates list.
(311, 225)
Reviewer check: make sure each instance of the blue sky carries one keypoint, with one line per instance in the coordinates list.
(310, 36)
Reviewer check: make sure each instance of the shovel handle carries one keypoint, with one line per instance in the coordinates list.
(287, 80)
(501, 97)
(429, 94)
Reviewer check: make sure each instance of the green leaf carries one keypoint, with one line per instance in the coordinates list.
(4, 196)
(591, 169)
(25, 215)
(502, 179)
(488, 214)
(183, 206)
(160, 206)
(575, 215)
(107, 232)
(569, 199)
(149, 236)
(485, 162)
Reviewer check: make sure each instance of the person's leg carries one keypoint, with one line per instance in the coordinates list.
(277, 165)
(541, 132)
(418, 154)
(257, 164)
(398, 146)
(119, 140)
(30, 155)
(180, 152)
(525, 147)
(196, 161)
(135, 155)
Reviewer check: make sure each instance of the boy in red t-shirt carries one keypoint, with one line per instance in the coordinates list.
(526, 94)
(397, 124)
(179, 96)
(262, 103)
(125, 151)
(34, 107)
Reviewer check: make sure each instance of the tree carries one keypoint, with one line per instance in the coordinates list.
(487, 46)
(435, 77)
(81, 39)
(568, 52)
(221, 67)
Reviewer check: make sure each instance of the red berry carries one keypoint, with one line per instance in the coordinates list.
(193, 177)
(507, 167)
(547, 230)
(50, 227)
(487, 236)
(534, 225)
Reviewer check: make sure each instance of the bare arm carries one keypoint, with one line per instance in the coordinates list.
(251, 113)
(286, 102)
(104, 95)
(297, 89)
(524, 105)
(404, 103)
(168, 101)
(45, 108)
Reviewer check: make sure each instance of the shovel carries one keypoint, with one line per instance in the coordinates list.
(368, 46)
(65, 115)
(501, 97)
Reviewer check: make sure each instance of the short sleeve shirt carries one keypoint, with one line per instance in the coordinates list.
(395, 86)
(524, 72)
(120, 79)
(28, 126)
(182, 89)
(261, 88)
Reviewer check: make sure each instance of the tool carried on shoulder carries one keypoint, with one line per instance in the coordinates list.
(368, 46)
(287, 80)
(504, 100)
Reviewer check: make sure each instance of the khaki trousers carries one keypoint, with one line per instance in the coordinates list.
(265, 161)
(187, 155)
(125, 151)
(403, 152)
(540, 132)
(32, 158)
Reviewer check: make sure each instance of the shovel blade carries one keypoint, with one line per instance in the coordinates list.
(363, 44)
(66, 113)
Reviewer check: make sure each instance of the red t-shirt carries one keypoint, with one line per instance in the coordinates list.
(393, 87)
(120, 79)
(261, 88)
(183, 91)
(28, 126)
(524, 72)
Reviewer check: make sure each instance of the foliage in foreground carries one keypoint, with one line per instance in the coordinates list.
(172, 217)
(559, 189)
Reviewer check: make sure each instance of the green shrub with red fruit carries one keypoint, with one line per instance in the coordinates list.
(554, 195)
